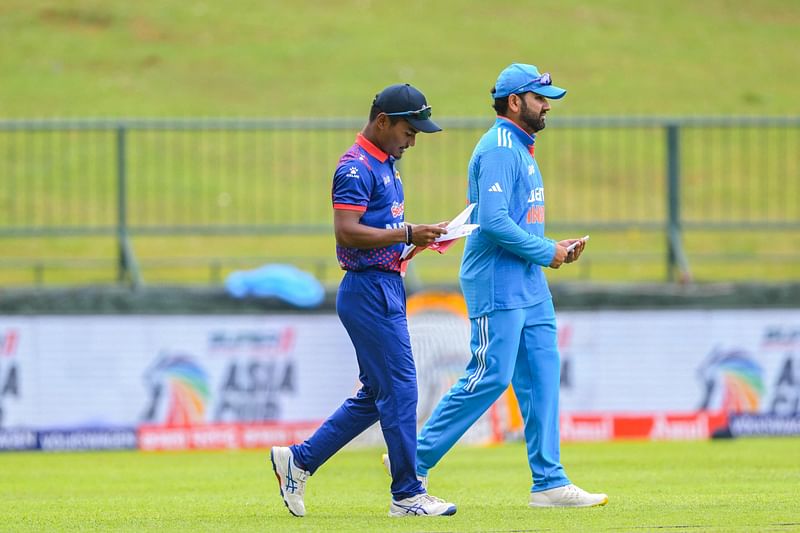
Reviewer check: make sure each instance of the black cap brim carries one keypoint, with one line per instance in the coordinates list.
(425, 126)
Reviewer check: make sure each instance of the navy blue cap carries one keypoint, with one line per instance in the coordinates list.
(403, 100)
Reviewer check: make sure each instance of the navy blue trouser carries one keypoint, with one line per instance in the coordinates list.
(372, 307)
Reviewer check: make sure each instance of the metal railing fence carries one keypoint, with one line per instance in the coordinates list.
(133, 177)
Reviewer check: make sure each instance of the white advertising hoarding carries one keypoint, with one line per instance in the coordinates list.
(98, 371)
(686, 360)
(61, 373)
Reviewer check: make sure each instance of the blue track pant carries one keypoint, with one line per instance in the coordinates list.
(517, 346)
(372, 307)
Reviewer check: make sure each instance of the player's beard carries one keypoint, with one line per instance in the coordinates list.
(535, 121)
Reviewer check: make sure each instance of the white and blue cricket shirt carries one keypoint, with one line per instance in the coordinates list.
(502, 263)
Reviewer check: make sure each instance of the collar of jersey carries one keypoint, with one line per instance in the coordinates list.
(522, 135)
(371, 149)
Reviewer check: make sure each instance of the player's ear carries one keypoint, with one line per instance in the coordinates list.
(382, 121)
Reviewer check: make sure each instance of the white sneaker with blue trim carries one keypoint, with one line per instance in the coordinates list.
(292, 480)
(422, 505)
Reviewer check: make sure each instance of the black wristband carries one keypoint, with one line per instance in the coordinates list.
(408, 235)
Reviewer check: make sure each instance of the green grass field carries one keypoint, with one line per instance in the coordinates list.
(307, 58)
(165, 58)
(739, 485)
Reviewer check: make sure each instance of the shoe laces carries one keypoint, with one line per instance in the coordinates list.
(430, 499)
(574, 492)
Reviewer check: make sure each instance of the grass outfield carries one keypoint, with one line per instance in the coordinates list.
(309, 58)
(241, 58)
(90, 58)
(738, 485)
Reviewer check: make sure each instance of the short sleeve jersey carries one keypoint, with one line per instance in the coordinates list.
(367, 181)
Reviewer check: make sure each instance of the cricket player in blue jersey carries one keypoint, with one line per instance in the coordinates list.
(371, 232)
(511, 312)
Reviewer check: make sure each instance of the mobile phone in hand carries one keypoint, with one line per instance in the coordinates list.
(576, 243)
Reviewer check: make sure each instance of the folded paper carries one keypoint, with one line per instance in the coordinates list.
(456, 229)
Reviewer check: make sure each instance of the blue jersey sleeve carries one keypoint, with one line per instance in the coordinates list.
(496, 177)
(352, 186)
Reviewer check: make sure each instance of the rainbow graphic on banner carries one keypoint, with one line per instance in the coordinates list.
(188, 390)
(741, 379)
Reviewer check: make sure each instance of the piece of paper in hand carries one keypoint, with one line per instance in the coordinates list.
(457, 232)
(462, 217)
(456, 229)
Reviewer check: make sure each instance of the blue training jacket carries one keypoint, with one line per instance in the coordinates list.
(502, 263)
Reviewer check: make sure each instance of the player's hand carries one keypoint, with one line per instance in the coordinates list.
(424, 234)
(560, 257)
(576, 252)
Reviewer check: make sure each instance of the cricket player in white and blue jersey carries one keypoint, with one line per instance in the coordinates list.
(510, 308)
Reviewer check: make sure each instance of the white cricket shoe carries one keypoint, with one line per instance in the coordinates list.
(387, 466)
(566, 496)
(292, 480)
(422, 505)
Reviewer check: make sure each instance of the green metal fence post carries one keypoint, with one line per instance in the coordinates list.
(676, 258)
(126, 262)
(122, 203)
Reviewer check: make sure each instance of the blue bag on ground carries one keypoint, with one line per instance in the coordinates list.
(281, 281)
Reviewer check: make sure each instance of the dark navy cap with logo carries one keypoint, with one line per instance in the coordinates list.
(403, 100)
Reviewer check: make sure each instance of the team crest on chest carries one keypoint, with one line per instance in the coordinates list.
(398, 208)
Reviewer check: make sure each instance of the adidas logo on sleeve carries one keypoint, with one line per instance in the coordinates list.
(495, 187)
